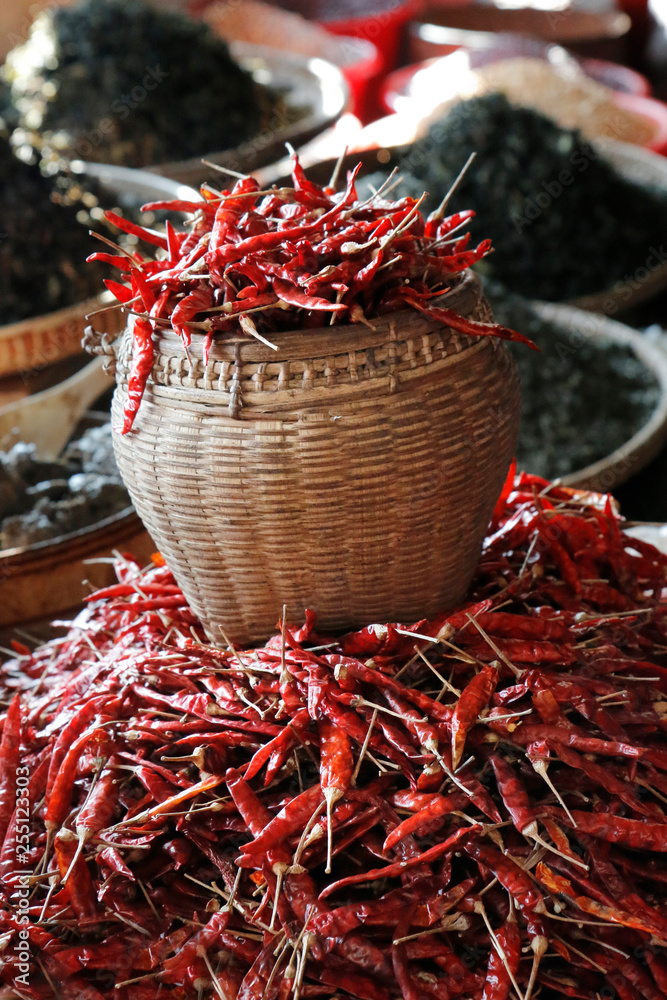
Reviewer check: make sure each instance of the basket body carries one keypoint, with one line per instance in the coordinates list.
(353, 471)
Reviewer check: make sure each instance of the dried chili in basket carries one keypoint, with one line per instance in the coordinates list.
(256, 262)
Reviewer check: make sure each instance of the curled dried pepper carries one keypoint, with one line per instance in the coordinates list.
(10, 746)
(244, 264)
(473, 699)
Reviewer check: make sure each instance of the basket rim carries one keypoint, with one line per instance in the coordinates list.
(46, 322)
(300, 343)
(116, 527)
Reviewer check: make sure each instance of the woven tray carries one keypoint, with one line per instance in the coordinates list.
(52, 577)
(649, 279)
(355, 474)
(31, 344)
(609, 472)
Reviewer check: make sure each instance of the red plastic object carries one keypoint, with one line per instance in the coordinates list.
(618, 77)
(362, 77)
(383, 27)
(650, 108)
(396, 86)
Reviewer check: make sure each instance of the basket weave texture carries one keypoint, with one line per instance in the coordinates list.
(353, 471)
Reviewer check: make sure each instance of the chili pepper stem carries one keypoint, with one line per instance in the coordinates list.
(443, 241)
(114, 246)
(390, 182)
(77, 854)
(214, 979)
(581, 954)
(305, 840)
(137, 979)
(231, 902)
(103, 309)
(481, 910)
(335, 174)
(278, 869)
(301, 965)
(331, 796)
(487, 638)
(47, 976)
(531, 831)
(540, 766)
(439, 212)
(51, 830)
(364, 748)
(55, 880)
(274, 971)
(224, 170)
(446, 686)
(539, 946)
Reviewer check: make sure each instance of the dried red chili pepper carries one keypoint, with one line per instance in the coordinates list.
(165, 755)
(473, 699)
(302, 250)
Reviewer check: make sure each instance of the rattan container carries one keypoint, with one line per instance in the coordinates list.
(352, 471)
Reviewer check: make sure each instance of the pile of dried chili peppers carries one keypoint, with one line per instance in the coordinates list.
(254, 261)
(471, 807)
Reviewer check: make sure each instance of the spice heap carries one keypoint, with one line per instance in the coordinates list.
(581, 397)
(41, 500)
(120, 81)
(42, 244)
(473, 806)
(563, 221)
(564, 93)
(253, 262)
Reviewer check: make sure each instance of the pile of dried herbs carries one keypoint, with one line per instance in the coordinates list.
(118, 81)
(581, 399)
(563, 221)
(40, 500)
(43, 243)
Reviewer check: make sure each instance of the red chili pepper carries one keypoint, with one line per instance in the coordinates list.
(292, 817)
(504, 959)
(196, 301)
(127, 226)
(473, 699)
(463, 324)
(514, 795)
(293, 296)
(399, 867)
(10, 746)
(559, 885)
(437, 807)
(172, 714)
(79, 885)
(635, 833)
(143, 355)
(399, 957)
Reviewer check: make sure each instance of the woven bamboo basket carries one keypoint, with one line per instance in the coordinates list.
(353, 471)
